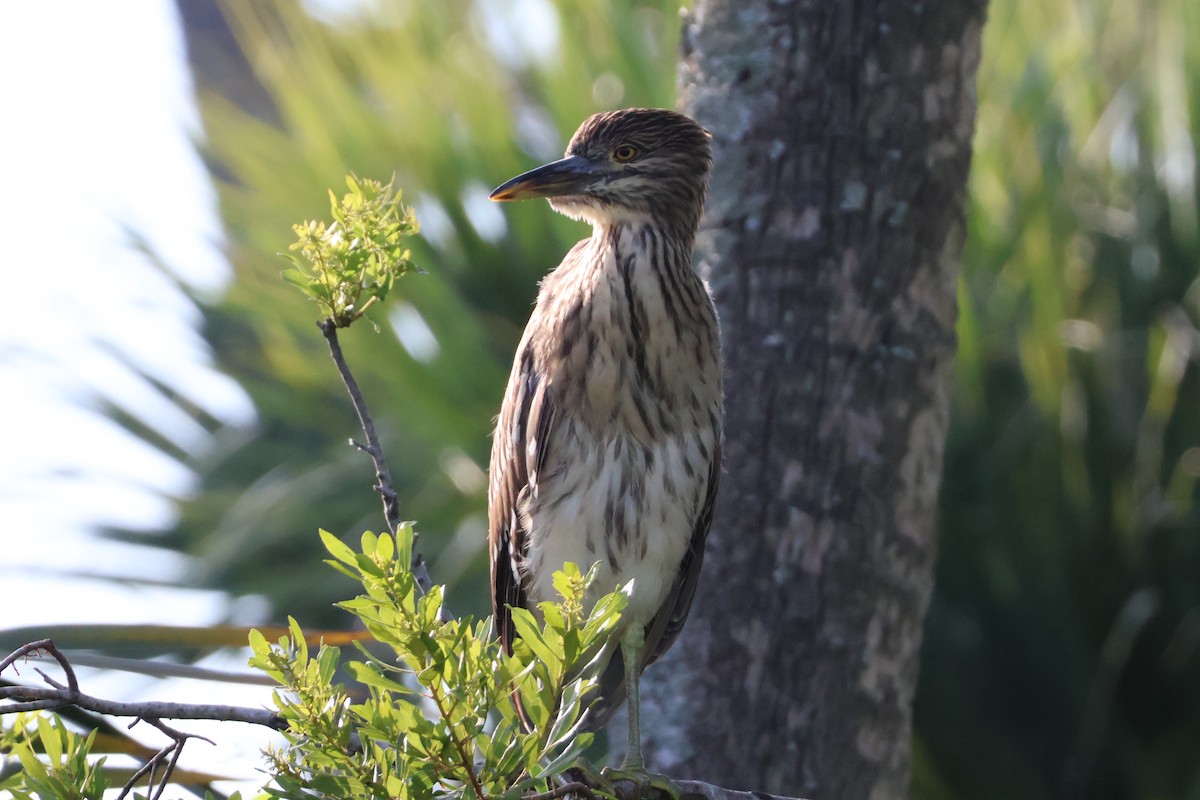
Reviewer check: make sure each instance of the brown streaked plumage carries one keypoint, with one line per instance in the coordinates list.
(607, 447)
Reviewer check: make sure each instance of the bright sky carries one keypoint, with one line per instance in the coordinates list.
(96, 149)
(96, 144)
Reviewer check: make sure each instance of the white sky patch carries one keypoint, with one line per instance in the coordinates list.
(436, 226)
(537, 133)
(485, 215)
(414, 332)
(519, 32)
(333, 12)
(96, 151)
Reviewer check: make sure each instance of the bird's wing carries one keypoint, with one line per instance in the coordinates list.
(518, 452)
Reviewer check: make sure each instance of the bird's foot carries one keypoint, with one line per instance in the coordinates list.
(633, 782)
(629, 782)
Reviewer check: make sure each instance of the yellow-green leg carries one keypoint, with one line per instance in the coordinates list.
(633, 768)
(632, 642)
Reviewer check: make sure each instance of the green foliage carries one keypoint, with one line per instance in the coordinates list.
(352, 263)
(66, 773)
(42, 755)
(53, 762)
(435, 718)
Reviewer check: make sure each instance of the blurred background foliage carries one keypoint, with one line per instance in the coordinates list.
(1062, 655)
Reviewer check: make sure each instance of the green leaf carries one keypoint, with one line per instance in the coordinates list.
(298, 640)
(337, 548)
(327, 662)
(385, 548)
(553, 615)
(527, 629)
(368, 676)
(258, 643)
(404, 544)
(51, 743)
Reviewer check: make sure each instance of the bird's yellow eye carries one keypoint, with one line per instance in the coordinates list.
(625, 152)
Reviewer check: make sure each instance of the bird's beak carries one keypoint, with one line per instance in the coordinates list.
(567, 176)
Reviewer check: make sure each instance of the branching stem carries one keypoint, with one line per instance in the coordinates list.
(464, 757)
(14, 699)
(383, 474)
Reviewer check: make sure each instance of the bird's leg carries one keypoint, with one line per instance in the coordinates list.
(637, 782)
(632, 641)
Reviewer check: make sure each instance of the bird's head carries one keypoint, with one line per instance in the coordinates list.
(635, 164)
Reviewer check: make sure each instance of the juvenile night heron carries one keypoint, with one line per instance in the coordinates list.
(608, 444)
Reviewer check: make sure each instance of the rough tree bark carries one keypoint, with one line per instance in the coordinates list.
(833, 237)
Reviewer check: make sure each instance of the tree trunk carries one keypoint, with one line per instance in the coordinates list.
(832, 240)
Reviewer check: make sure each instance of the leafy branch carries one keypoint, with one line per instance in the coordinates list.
(347, 266)
(69, 772)
(350, 264)
(436, 722)
(428, 715)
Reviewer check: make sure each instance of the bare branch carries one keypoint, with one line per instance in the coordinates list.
(171, 751)
(44, 646)
(383, 475)
(50, 680)
(32, 698)
(39, 705)
(596, 784)
(36, 698)
(15, 698)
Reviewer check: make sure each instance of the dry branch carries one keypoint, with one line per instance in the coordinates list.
(14, 699)
(373, 448)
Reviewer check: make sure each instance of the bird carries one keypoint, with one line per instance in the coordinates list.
(607, 447)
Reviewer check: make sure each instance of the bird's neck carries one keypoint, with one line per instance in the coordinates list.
(679, 225)
(646, 241)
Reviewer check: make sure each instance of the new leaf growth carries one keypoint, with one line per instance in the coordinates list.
(351, 264)
(430, 715)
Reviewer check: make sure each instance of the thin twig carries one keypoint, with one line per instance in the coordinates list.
(149, 767)
(57, 695)
(162, 786)
(383, 475)
(169, 731)
(464, 758)
(50, 680)
(45, 646)
(171, 751)
(699, 790)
